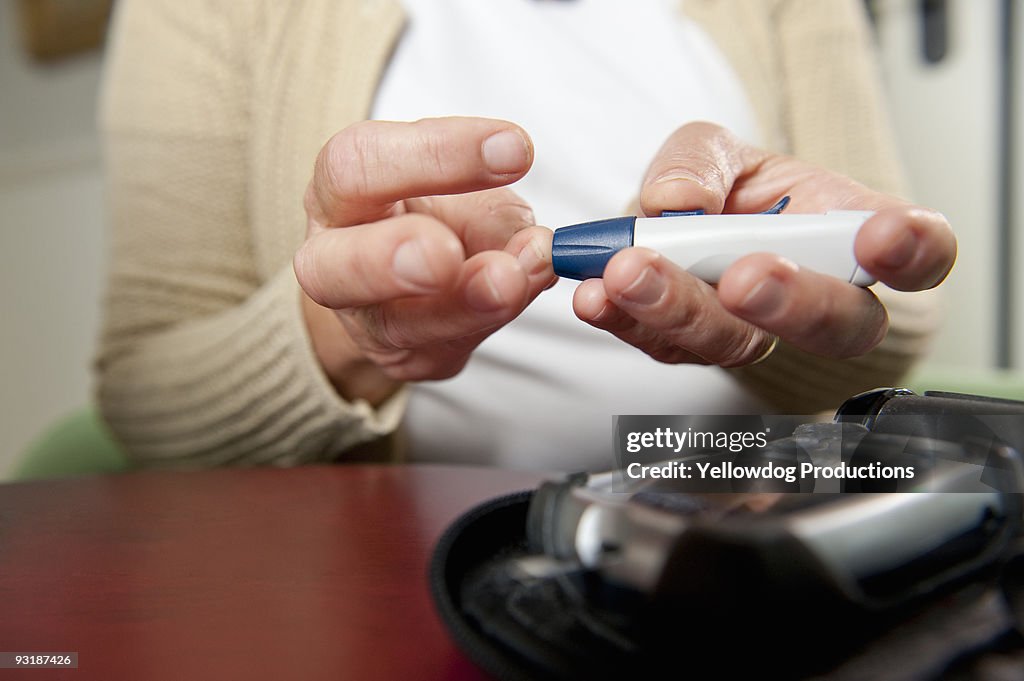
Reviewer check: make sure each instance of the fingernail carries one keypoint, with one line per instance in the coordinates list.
(481, 293)
(765, 299)
(506, 152)
(604, 313)
(531, 257)
(902, 252)
(410, 265)
(678, 190)
(646, 289)
(676, 175)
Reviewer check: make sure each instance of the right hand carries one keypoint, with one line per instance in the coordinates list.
(414, 251)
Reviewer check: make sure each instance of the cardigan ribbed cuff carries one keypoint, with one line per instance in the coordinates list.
(242, 387)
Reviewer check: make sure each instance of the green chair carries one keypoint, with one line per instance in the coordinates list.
(78, 444)
(991, 382)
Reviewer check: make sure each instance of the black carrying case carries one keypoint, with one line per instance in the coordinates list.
(970, 634)
(550, 627)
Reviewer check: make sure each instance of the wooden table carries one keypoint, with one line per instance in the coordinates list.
(308, 573)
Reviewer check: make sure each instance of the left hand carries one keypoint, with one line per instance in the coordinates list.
(671, 315)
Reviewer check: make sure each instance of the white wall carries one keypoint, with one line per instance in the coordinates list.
(1019, 197)
(946, 120)
(51, 237)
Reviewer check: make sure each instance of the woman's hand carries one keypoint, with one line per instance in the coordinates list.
(651, 303)
(414, 254)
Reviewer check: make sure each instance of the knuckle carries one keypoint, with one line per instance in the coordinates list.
(434, 149)
(347, 161)
(501, 222)
(399, 365)
(512, 212)
(681, 314)
(382, 333)
(307, 272)
(365, 328)
(392, 333)
(311, 205)
(401, 372)
(744, 348)
(392, 361)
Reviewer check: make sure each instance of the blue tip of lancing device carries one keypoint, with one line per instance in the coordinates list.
(581, 251)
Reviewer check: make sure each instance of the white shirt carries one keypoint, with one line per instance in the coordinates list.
(599, 85)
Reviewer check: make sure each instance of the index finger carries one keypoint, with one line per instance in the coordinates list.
(366, 168)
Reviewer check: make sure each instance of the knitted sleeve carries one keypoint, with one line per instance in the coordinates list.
(204, 359)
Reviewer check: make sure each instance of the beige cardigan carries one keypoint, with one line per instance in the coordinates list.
(213, 113)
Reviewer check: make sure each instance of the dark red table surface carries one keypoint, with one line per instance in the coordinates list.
(309, 573)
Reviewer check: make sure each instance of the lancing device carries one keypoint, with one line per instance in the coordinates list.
(705, 245)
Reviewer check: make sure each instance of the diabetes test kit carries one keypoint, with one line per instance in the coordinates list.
(601, 576)
(705, 245)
